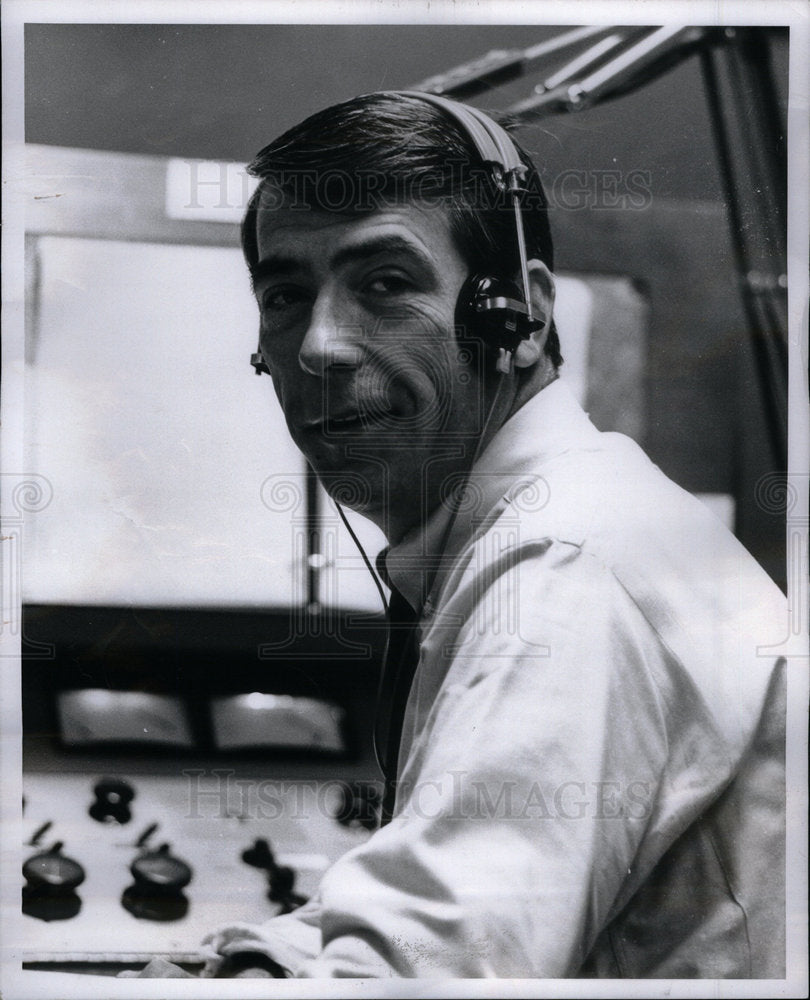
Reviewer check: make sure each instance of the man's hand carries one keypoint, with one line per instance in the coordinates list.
(244, 965)
(250, 965)
(158, 968)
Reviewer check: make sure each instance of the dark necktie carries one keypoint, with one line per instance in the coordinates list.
(399, 666)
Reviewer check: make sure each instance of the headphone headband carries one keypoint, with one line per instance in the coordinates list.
(495, 146)
(493, 142)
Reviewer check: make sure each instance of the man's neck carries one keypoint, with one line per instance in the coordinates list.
(506, 399)
(543, 374)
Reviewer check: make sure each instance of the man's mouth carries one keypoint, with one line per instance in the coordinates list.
(351, 421)
(341, 424)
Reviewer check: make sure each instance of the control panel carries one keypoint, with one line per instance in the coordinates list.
(119, 869)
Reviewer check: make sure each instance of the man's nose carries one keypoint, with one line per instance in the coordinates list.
(332, 338)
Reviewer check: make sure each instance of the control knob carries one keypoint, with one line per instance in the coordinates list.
(280, 878)
(51, 881)
(156, 893)
(111, 804)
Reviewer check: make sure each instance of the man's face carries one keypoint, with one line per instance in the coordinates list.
(357, 329)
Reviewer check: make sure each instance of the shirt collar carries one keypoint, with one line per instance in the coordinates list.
(549, 424)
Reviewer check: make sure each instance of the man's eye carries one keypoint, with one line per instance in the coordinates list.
(278, 299)
(386, 284)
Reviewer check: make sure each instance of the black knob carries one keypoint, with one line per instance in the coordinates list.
(111, 805)
(156, 893)
(280, 878)
(147, 905)
(280, 885)
(161, 870)
(54, 871)
(259, 855)
(51, 879)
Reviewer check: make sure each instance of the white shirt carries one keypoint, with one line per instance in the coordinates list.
(591, 771)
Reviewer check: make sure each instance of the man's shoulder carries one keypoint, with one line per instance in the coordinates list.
(604, 492)
(613, 505)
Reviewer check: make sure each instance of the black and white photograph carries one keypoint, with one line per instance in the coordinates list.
(404, 499)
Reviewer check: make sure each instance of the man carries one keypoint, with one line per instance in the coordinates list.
(589, 771)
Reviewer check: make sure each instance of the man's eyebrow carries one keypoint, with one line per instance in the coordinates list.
(274, 265)
(379, 246)
(280, 265)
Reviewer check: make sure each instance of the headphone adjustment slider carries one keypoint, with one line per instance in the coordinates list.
(505, 363)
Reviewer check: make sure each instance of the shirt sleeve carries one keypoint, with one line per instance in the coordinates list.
(289, 940)
(530, 778)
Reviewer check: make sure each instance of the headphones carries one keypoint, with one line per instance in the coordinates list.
(495, 307)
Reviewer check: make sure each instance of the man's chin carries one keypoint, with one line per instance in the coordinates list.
(355, 493)
(354, 482)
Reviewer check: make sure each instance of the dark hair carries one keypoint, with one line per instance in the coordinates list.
(387, 148)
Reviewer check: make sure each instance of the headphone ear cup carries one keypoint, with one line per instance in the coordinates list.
(493, 310)
(467, 319)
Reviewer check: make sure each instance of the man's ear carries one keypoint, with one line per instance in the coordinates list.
(541, 284)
